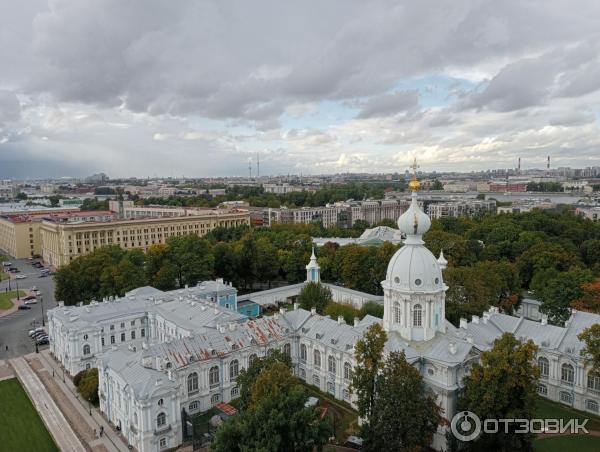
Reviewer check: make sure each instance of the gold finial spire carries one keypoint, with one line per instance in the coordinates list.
(414, 184)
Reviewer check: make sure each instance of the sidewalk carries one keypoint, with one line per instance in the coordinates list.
(110, 440)
(56, 423)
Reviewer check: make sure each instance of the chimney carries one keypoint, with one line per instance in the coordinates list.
(469, 339)
(144, 346)
(61, 304)
(475, 319)
(356, 321)
(186, 286)
(231, 326)
(341, 320)
(463, 323)
(170, 375)
(544, 319)
(296, 306)
(313, 311)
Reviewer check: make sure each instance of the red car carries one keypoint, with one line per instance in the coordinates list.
(29, 297)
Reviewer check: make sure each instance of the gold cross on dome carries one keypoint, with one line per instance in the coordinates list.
(414, 166)
(414, 184)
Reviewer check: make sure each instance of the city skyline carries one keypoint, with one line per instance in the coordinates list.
(143, 89)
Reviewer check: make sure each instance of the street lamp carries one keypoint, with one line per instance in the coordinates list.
(42, 306)
(90, 405)
(17, 283)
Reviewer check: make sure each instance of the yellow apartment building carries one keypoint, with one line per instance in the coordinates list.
(63, 242)
(19, 237)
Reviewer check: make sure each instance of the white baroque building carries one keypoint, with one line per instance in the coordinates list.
(162, 355)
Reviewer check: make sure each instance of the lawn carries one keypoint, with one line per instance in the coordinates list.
(21, 428)
(580, 443)
(547, 409)
(3, 275)
(5, 298)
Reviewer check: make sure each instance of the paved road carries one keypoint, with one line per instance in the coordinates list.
(14, 327)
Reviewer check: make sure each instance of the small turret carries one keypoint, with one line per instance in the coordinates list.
(442, 261)
(313, 271)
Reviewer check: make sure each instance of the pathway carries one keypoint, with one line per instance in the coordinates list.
(111, 439)
(57, 425)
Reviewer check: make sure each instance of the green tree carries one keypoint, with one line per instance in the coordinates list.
(436, 185)
(371, 308)
(347, 311)
(160, 271)
(557, 293)
(88, 386)
(314, 295)
(400, 385)
(192, 258)
(503, 386)
(273, 414)
(248, 377)
(591, 338)
(279, 422)
(368, 353)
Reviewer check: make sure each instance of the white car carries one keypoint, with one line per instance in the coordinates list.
(20, 276)
(34, 288)
(33, 301)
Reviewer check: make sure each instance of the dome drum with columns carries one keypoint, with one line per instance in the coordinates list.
(414, 290)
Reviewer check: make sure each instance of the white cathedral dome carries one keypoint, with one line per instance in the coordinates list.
(414, 269)
(414, 222)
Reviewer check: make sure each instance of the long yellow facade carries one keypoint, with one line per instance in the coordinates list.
(63, 242)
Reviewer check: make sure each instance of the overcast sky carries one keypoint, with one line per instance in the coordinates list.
(196, 88)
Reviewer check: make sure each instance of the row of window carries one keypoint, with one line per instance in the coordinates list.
(567, 374)
(330, 385)
(331, 362)
(567, 397)
(123, 337)
(417, 312)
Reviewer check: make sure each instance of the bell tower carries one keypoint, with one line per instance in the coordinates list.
(313, 271)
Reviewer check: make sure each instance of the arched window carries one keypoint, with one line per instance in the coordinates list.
(347, 371)
(192, 383)
(287, 349)
(567, 374)
(543, 390)
(161, 420)
(303, 353)
(215, 398)
(544, 366)
(194, 406)
(235, 392)
(234, 369)
(397, 313)
(317, 359)
(86, 349)
(593, 382)
(213, 376)
(331, 364)
(417, 315)
(251, 359)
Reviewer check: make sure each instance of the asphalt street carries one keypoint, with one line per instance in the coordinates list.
(14, 327)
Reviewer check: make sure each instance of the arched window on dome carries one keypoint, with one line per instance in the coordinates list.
(397, 312)
(417, 315)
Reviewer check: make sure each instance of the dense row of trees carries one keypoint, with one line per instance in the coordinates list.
(492, 261)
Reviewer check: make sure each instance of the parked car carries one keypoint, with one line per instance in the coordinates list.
(13, 270)
(21, 276)
(29, 297)
(36, 330)
(37, 292)
(34, 288)
(31, 301)
(23, 307)
(38, 336)
(43, 341)
(44, 275)
(7, 264)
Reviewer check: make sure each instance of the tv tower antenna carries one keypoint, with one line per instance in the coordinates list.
(250, 166)
(257, 166)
